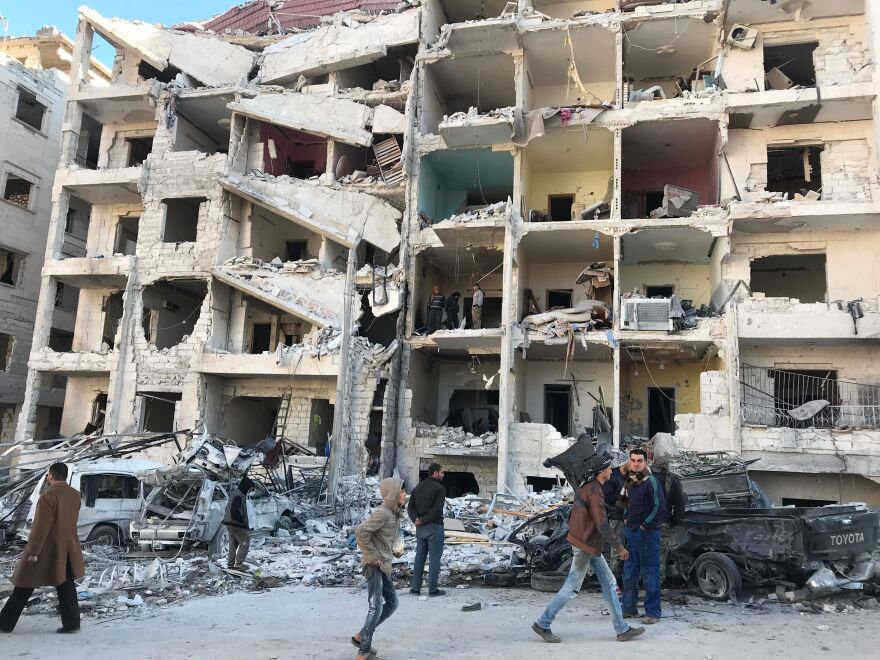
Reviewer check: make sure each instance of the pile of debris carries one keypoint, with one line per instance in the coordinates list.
(300, 267)
(474, 113)
(455, 437)
(490, 213)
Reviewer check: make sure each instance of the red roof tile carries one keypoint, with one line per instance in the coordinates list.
(253, 17)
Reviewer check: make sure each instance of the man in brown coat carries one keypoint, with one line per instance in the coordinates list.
(587, 527)
(53, 556)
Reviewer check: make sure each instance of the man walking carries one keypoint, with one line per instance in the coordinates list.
(376, 539)
(426, 511)
(238, 525)
(477, 308)
(587, 527)
(645, 511)
(436, 304)
(53, 556)
(611, 491)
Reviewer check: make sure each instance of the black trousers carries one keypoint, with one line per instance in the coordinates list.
(435, 320)
(67, 603)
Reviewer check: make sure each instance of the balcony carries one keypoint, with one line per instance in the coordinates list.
(73, 246)
(90, 272)
(294, 363)
(778, 319)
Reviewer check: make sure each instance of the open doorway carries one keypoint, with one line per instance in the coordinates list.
(794, 169)
(790, 65)
(560, 206)
(661, 410)
(157, 411)
(557, 407)
(320, 424)
(476, 411)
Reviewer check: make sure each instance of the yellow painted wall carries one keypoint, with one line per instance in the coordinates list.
(588, 187)
(691, 281)
(685, 378)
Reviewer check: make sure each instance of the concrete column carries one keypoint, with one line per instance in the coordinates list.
(618, 394)
(872, 18)
(507, 378)
(617, 173)
(82, 53)
(733, 371)
(122, 388)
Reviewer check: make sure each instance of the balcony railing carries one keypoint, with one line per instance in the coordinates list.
(788, 399)
(82, 161)
(73, 246)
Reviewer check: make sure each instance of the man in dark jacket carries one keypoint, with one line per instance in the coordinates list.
(425, 509)
(676, 503)
(645, 512)
(436, 304)
(53, 556)
(587, 527)
(237, 525)
(611, 490)
(452, 311)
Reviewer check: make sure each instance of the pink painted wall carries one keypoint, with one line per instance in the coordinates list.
(702, 180)
(286, 150)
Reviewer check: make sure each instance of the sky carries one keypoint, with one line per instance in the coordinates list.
(25, 17)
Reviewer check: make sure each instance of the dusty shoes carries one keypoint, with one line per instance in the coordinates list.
(649, 620)
(546, 634)
(632, 633)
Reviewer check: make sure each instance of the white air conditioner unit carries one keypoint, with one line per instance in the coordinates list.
(647, 314)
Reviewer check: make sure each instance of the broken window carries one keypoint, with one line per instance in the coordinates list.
(48, 423)
(171, 310)
(99, 414)
(126, 236)
(248, 420)
(138, 150)
(157, 411)
(794, 170)
(558, 298)
(476, 411)
(108, 487)
(6, 344)
(29, 109)
(66, 297)
(297, 250)
(88, 145)
(112, 307)
(261, 340)
(181, 219)
(557, 407)
(790, 65)
(292, 153)
(320, 424)
(60, 341)
(806, 503)
(659, 291)
(147, 71)
(541, 484)
(10, 266)
(385, 74)
(800, 276)
(456, 483)
(18, 190)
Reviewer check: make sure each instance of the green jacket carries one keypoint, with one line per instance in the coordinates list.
(375, 536)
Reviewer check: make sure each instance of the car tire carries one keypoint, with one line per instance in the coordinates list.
(105, 535)
(548, 581)
(715, 576)
(506, 579)
(287, 523)
(218, 547)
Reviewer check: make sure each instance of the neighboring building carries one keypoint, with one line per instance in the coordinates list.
(704, 174)
(33, 78)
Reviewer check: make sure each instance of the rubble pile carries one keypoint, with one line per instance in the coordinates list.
(490, 213)
(474, 113)
(301, 267)
(454, 437)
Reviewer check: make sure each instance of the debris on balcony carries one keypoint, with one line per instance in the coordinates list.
(454, 439)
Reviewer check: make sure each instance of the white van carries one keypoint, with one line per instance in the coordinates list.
(109, 491)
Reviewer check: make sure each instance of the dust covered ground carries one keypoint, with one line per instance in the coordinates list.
(308, 623)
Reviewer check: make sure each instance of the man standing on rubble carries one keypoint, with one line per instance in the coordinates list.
(425, 509)
(452, 311)
(645, 512)
(53, 556)
(477, 308)
(436, 304)
(238, 525)
(377, 538)
(587, 527)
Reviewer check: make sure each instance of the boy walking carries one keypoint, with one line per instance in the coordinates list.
(375, 538)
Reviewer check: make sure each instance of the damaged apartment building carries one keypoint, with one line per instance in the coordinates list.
(33, 83)
(668, 208)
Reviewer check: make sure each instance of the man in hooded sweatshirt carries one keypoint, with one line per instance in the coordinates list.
(376, 540)
(237, 525)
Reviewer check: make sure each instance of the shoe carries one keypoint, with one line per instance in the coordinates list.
(649, 620)
(437, 592)
(64, 630)
(415, 592)
(546, 634)
(632, 633)
(3, 630)
(630, 615)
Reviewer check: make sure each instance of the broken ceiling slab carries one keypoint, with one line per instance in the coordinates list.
(339, 119)
(334, 47)
(782, 217)
(388, 120)
(118, 103)
(458, 343)
(97, 187)
(802, 105)
(492, 35)
(344, 216)
(209, 60)
(91, 273)
(777, 321)
(318, 299)
(465, 130)
(761, 11)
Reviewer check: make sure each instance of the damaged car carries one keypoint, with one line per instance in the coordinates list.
(186, 506)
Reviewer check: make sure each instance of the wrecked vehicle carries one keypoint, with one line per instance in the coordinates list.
(109, 491)
(821, 548)
(186, 508)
